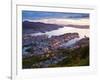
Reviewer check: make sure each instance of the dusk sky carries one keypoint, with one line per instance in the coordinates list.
(36, 15)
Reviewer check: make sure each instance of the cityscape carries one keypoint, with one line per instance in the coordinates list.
(54, 39)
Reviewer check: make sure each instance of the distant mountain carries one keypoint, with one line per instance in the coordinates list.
(34, 27)
(79, 26)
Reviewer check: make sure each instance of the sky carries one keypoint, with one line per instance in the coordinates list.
(37, 15)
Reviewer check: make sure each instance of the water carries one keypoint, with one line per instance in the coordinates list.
(61, 31)
(24, 50)
(70, 42)
(66, 29)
